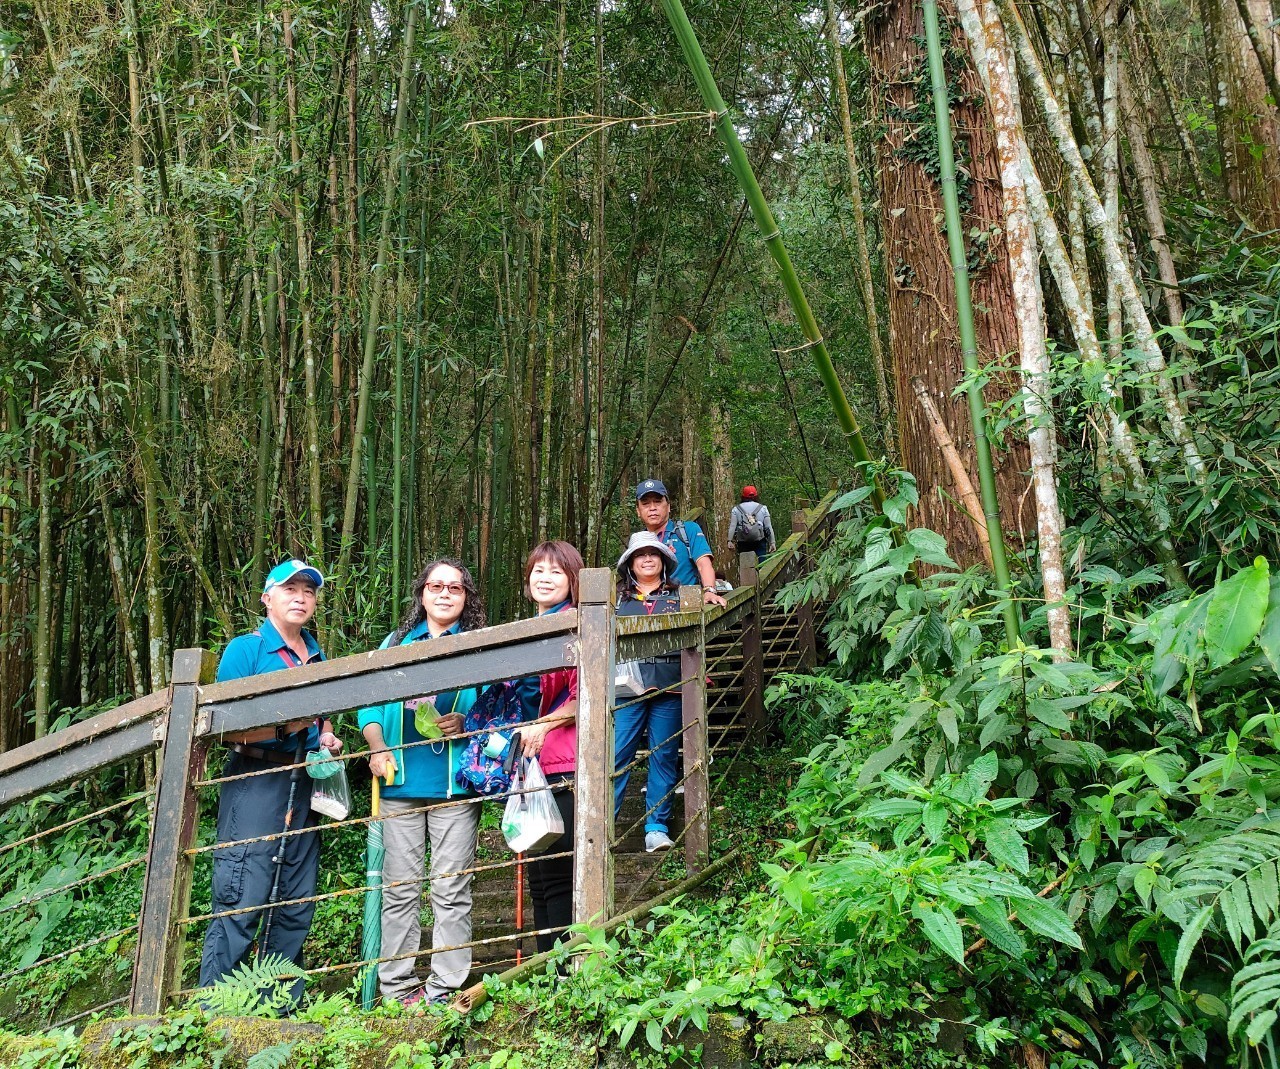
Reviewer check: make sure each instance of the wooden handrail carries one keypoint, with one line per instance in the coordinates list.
(505, 651)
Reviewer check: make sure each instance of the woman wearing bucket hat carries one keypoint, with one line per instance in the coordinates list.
(646, 586)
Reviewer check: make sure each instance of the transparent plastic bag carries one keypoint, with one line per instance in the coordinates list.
(627, 681)
(532, 821)
(330, 795)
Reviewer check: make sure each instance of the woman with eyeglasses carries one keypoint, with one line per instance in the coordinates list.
(411, 748)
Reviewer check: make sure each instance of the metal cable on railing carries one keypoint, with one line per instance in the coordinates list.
(67, 953)
(89, 1012)
(619, 837)
(78, 820)
(64, 888)
(385, 886)
(352, 821)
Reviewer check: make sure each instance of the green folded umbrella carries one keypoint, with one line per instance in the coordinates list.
(371, 941)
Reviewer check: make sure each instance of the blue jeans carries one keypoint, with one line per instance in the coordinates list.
(661, 715)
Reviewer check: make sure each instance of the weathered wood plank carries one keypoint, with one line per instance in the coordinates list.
(166, 894)
(693, 714)
(371, 680)
(593, 780)
(752, 645)
(122, 716)
(70, 763)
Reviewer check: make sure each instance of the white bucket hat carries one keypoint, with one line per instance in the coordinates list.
(646, 540)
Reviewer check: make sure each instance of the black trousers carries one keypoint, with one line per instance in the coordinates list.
(243, 875)
(551, 881)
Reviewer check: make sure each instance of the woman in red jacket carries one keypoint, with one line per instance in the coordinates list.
(551, 581)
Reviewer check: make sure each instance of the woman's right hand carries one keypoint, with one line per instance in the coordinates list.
(382, 764)
(532, 736)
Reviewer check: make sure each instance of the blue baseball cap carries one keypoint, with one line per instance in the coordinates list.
(651, 486)
(286, 570)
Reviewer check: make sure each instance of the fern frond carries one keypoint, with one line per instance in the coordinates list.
(1238, 875)
(1255, 989)
(273, 1057)
(255, 989)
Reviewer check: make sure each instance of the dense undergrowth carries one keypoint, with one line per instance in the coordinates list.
(1074, 859)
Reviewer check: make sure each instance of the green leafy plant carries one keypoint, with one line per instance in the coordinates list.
(259, 988)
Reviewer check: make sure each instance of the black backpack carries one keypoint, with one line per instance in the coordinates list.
(750, 529)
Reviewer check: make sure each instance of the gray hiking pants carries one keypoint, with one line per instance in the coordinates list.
(453, 830)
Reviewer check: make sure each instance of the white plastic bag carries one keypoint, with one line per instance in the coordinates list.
(330, 795)
(532, 821)
(627, 681)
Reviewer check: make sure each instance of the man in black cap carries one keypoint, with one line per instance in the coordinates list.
(682, 537)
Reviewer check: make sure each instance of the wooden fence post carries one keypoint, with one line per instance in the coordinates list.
(693, 713)
(752, 644)
(166, 893)
(808, 645)
(593, 786)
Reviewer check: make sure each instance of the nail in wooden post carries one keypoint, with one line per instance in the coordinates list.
(593, 786)
(693, 713)
(752, 645)
(166, 893)
(808, 645)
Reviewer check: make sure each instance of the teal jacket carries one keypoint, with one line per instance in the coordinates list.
(425, 771)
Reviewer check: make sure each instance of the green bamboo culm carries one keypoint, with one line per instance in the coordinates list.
(768, 226)
(964, 319)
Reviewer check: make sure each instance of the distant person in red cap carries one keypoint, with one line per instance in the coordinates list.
(750, 529)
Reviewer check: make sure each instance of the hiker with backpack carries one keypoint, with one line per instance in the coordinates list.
(750, 529)
(693, 565)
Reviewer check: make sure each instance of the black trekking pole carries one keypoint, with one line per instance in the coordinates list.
(300, 758)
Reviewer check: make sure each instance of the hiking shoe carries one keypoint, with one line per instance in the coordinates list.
(413, 998)
(657, 840)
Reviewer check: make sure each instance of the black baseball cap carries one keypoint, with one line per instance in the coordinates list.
(651, 486)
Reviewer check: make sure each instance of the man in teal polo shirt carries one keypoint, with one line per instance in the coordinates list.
(247, 808)
(683, 537)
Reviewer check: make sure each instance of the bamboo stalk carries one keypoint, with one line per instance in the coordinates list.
(373, 317)
(969, 498)
(770, 233)
(1116, 262)
(863, 260)
(1024, 260)
(964, 320)
(315, 499)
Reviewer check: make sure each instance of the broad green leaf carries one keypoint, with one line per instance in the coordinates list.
(1101, 904)
(942, 928)
(1049, 921)
(653, 1033)
(947, 721)
(1007, 846)
(882, 759)
(1269, 634)
(935, 820)
(1235, 613)
(1144, 881)
(1044, 710)
(931, 547)
(993, 921)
